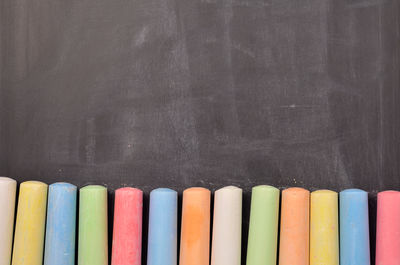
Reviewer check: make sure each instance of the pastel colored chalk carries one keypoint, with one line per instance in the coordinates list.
(162, 237)
(60, 225)
(30, 224)
(354, 227)
(7, 208)
(295, 223)
(195, 233)
(92, 238)
(127, 235)
(227, 227)
(263, 227)
(388, 228)
(324, 233)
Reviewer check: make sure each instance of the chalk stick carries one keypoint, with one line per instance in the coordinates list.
(263, 227)
(92, 238)
(30, 224)
(60, 225)
(7, 208)
(295, 223)
(227, 227)
(354, 227)
(127, 234)
(195, 234)
(388, 228)
(162, 238)
(324, 237)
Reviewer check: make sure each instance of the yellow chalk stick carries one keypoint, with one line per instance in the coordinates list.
(324, 237)
(30, 225)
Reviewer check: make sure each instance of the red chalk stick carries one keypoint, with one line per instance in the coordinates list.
(388, 228)
(127, 237)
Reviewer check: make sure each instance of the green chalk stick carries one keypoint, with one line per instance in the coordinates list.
(263, 229)
(92, 241)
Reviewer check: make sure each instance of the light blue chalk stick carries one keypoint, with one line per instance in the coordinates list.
(162, 238)
(354, 228)
(60, 225)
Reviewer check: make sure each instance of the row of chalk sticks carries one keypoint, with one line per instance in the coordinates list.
(45, 226)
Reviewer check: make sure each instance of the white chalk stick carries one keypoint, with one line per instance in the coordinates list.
(227, 227)
(7, 208)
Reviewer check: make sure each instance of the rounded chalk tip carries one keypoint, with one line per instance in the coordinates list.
(324, 193)
(296, 190)
(295, 193)
(353, 195)
(163, 194)
(229, 189)
(196, 190)
(33, 184)
(129, 190)
(63, 185)
(353, 192)
(265, 188)
(163, 191)
(388, 194)
(93, 188)
(7, 180)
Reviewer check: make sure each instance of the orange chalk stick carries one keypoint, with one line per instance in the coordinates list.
(195, 234)
(294, 236)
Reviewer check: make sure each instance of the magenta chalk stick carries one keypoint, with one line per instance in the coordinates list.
(388, 228)
(127, 237)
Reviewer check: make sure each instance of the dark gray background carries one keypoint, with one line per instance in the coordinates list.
(180, 93)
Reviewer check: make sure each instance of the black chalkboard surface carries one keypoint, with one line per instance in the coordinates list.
(180, 93)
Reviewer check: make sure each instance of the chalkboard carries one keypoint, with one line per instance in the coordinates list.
(181, 93)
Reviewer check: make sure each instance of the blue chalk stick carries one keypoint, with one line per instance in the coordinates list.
(354, 228)
(162, 238)
(60, 226)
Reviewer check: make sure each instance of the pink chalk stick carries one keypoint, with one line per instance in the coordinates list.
(127, 236)
(388, 228)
